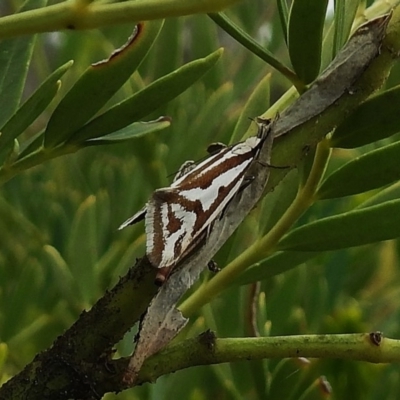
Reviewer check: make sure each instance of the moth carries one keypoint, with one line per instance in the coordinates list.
(180, 216)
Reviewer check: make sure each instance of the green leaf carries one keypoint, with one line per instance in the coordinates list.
(147, 100)
(306, 24)
(370, 171)
(353, 228)
(62, 278)
(390, 193)
(3, 357)
(276, 203)
(283, 16)
(204, 41)
(27, 286)
(249, 43)
(31, 145)
(82, 250)
(276, 264)
(327, 46)
(98, 84)
(257, 103)
(31, 109)
(217, 103)
(15, 56)
(169, 48)
(345, 12)
(376, 119)
(134, 131)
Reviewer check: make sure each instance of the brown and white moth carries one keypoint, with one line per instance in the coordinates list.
(179, 217)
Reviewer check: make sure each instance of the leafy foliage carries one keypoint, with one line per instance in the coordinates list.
(335, 271)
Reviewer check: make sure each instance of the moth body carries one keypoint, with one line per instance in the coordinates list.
(179, 217)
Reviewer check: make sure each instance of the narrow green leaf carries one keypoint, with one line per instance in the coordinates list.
(258, 102)
(3, 357)
(134, 131)
(216, 104)
(247, 41)
(63, 279)
(327, 46)
(370, 171)
(147, 100)
(277, 202)
(204, 38)
(30, 331)
(169, 49)
(15, 56)
(31, 145)
(98, 84)
(306, 24)
(15, 309)
(390, 193)
(283, 16)
(345, 12)
(353, 228)
(276, 264)
(373, 120)
(31, 109)
(82, 250)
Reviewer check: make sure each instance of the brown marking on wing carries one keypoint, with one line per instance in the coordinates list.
(203, 181)
(174, 223)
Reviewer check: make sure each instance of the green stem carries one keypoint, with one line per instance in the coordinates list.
(247, 41)
(264, 246)
(72, 14)
(198, 351)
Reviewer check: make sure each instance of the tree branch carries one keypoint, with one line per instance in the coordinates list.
(65, 370)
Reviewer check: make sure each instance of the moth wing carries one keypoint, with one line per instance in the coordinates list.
(169, 228)
(135, 218)
(213, 195)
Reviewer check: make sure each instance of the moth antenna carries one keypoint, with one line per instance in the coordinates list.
(274, 166)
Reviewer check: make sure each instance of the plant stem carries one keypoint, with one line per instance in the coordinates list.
(198, 351)
(72, 14)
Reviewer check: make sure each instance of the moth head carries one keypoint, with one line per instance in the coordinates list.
(260, 121)
(185, 168)
(264, 127)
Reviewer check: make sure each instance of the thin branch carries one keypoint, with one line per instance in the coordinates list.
(72, 14)
(206, 350)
